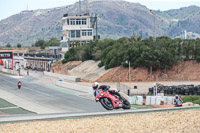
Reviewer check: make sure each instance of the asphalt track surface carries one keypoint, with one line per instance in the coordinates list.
(52, 102)
(43, 99)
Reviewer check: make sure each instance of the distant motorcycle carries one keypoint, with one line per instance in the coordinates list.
(179, 103)
(110, 101)
(19, 84)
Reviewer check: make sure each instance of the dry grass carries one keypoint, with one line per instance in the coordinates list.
(187, 121)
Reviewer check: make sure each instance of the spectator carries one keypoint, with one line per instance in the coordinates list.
(28, 72)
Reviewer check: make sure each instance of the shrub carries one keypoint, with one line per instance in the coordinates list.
(191, 99)
(195, 97)
(187, 99)
(197, 101)
(64, 61)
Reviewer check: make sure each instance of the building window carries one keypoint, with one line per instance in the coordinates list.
(84, 32)
(78, 34)
(67, 21)
(78, 22)
(72, 22)
(73, 34)
(83, 21)
(89, 32)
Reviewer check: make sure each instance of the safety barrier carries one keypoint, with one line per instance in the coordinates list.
(136, 100)
(73, 86)
(178, 89)
(2, 69)
(156, 100)
(61, 76)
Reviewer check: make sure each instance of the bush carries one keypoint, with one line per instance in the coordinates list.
(100, 64)
(197, 101)
(187, 99)
(191, 99)
(64, 61)
(195, 97)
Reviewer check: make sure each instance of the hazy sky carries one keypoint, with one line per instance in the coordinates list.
(11, 7)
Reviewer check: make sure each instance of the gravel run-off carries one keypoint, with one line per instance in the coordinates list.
(184, 121)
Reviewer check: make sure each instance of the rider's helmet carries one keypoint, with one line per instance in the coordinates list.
(176, 96)
(19, 83)
(95, 85)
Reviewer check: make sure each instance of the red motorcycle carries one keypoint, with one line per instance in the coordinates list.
(110, 101)
(19, 84)
(178, 103)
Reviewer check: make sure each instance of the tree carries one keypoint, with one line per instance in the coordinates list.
(53, 42)
(8, 45)
(19, 45)
(39, 43)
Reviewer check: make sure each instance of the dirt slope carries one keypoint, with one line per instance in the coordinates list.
(63, 68)
(188, 70)
(88, 70)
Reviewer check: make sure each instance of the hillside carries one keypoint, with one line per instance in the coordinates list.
(186, 18)
(116, 18)
(89, 71)
(188, 70)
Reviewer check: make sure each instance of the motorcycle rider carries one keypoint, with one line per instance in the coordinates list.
(19, 84)
(176, 99)
(97, 88)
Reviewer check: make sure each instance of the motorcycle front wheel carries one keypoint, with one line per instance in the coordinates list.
(106, 103)
(126, 104)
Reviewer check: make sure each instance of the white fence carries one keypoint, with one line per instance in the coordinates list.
(2, 69)
(136, 100)
(156, 100)
(61, 76)
(73, 86)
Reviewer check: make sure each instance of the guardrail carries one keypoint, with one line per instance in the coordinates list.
(72, 86)
(2, 69)
(15, 118)
(61, 76)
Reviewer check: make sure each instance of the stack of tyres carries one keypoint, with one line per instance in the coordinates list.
(191, 90)
(198, 91)
(162, 89)
(195, 90)
(173, 90)
(169, 90)
(151, 90)
(183, 89)
(165, 89)
(158, 89)
(178, 90)
(186, 90)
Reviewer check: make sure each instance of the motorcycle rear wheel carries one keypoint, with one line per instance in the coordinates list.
(106, 103)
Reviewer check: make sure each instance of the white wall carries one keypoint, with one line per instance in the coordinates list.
(61, 76)
(73, 86)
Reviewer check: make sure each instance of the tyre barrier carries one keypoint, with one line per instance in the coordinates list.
(179, 89)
